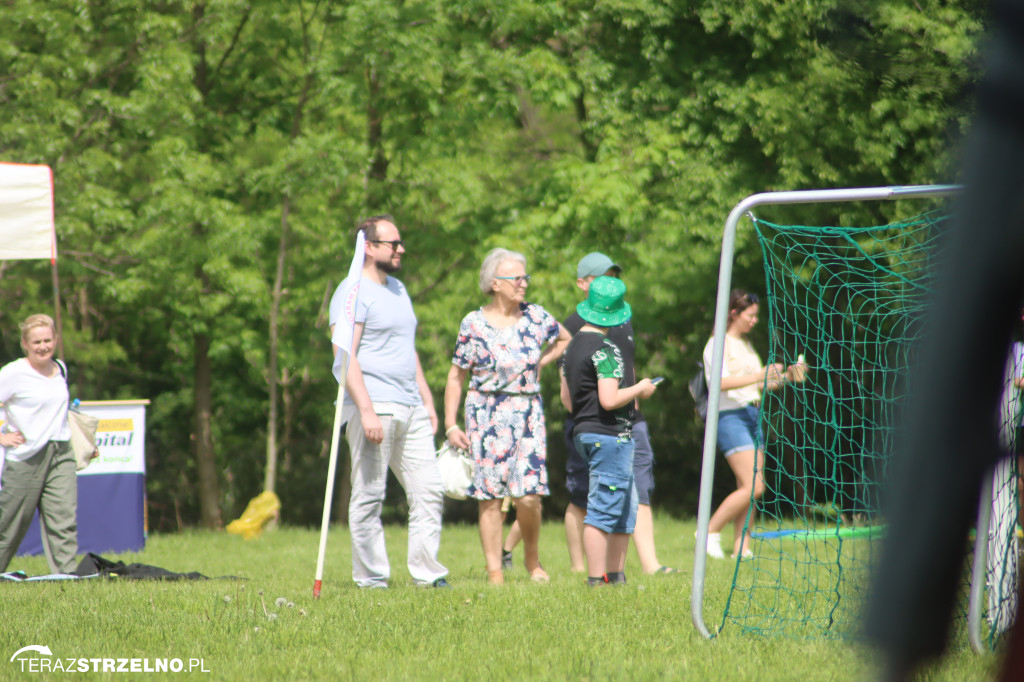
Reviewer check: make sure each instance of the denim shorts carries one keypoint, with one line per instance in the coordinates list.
(643, 463)
(577, 478)
(738, 430)
(611, 502)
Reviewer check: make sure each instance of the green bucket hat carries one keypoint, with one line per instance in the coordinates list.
(605, 306)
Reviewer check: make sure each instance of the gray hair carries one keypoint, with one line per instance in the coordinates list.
(492, 261)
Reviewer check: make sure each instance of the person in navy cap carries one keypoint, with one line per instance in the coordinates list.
(601, 400)
(590, 267)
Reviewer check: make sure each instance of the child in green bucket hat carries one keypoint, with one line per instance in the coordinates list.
(602, 416)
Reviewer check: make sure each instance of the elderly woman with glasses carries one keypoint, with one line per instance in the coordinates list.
(743, 377)
(501, 348)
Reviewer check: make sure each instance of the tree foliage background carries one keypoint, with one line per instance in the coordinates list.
(211, 159)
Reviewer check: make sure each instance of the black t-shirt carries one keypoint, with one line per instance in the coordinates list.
(590, 356)
(621, 336)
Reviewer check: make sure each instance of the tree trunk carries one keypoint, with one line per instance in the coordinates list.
(377, 173)
(270, 474)
(206, 466)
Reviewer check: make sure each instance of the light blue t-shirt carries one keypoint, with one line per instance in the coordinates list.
(387, 350)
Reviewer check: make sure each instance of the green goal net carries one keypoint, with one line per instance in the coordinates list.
(850, 301)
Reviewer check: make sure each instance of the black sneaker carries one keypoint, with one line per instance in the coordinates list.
(440, 582)
(506, 560)
(616, 578)
(599, 580)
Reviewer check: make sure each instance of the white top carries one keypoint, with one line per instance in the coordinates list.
(35, 405)
(740, 358)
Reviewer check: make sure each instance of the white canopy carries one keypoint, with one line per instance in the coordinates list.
(26, 212)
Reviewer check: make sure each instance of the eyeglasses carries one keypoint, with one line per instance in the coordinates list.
(393, 243)
(518, 280)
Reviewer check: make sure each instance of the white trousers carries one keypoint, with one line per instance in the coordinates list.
(408, 448)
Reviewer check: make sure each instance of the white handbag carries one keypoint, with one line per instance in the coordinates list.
(83, 437)
(457, 469)
(83, 430)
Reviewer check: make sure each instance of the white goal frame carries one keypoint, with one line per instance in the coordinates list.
(718, 348)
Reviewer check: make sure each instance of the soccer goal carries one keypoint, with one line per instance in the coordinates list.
(850, 300)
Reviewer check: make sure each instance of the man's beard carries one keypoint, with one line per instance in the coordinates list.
(388, 267)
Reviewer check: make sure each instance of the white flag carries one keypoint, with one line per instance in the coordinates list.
(26, 212)
(345, 325)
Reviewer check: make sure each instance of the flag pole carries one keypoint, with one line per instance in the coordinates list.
(342, 332)
(331, 472)
(57, 320)
(53, 268)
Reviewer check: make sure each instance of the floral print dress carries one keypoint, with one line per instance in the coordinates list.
(504, 410)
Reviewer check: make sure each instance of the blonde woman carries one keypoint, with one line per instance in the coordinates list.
(38, 464)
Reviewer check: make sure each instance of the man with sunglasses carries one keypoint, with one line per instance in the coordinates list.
(577, 480)
(390, 416)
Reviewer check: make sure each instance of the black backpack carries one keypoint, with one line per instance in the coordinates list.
(699, 391)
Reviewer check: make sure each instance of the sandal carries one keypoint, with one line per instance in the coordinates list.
(539, 575)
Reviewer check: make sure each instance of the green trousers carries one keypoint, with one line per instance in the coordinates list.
(46, 481)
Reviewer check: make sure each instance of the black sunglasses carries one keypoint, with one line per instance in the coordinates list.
(394, 243)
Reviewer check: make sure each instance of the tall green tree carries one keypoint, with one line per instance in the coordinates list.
(211, 158)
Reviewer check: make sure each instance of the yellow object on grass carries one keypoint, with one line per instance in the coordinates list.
(258, 512)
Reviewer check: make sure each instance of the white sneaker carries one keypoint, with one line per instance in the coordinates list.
(715, 546)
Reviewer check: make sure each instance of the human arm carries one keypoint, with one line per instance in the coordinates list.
(452, 397)
(11, 439)
(612, 397)
(425, 395)
(774, 374)
(355, 385)
(556, 349)
(464, 358)
(793, 374)
(564, 394)
(10, 435)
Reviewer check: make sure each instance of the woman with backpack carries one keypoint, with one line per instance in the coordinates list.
(743, 378)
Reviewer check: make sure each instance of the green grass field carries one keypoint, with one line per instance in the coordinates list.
(562, 630)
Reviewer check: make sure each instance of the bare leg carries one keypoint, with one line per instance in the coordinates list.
(528, 515)
(574, 536)
(618, 543)
(734, 507)
(741, 544)
(606, 552)
(643, 539)
(739, 519)
(513, 537)
(490, 535)
(595, 544)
